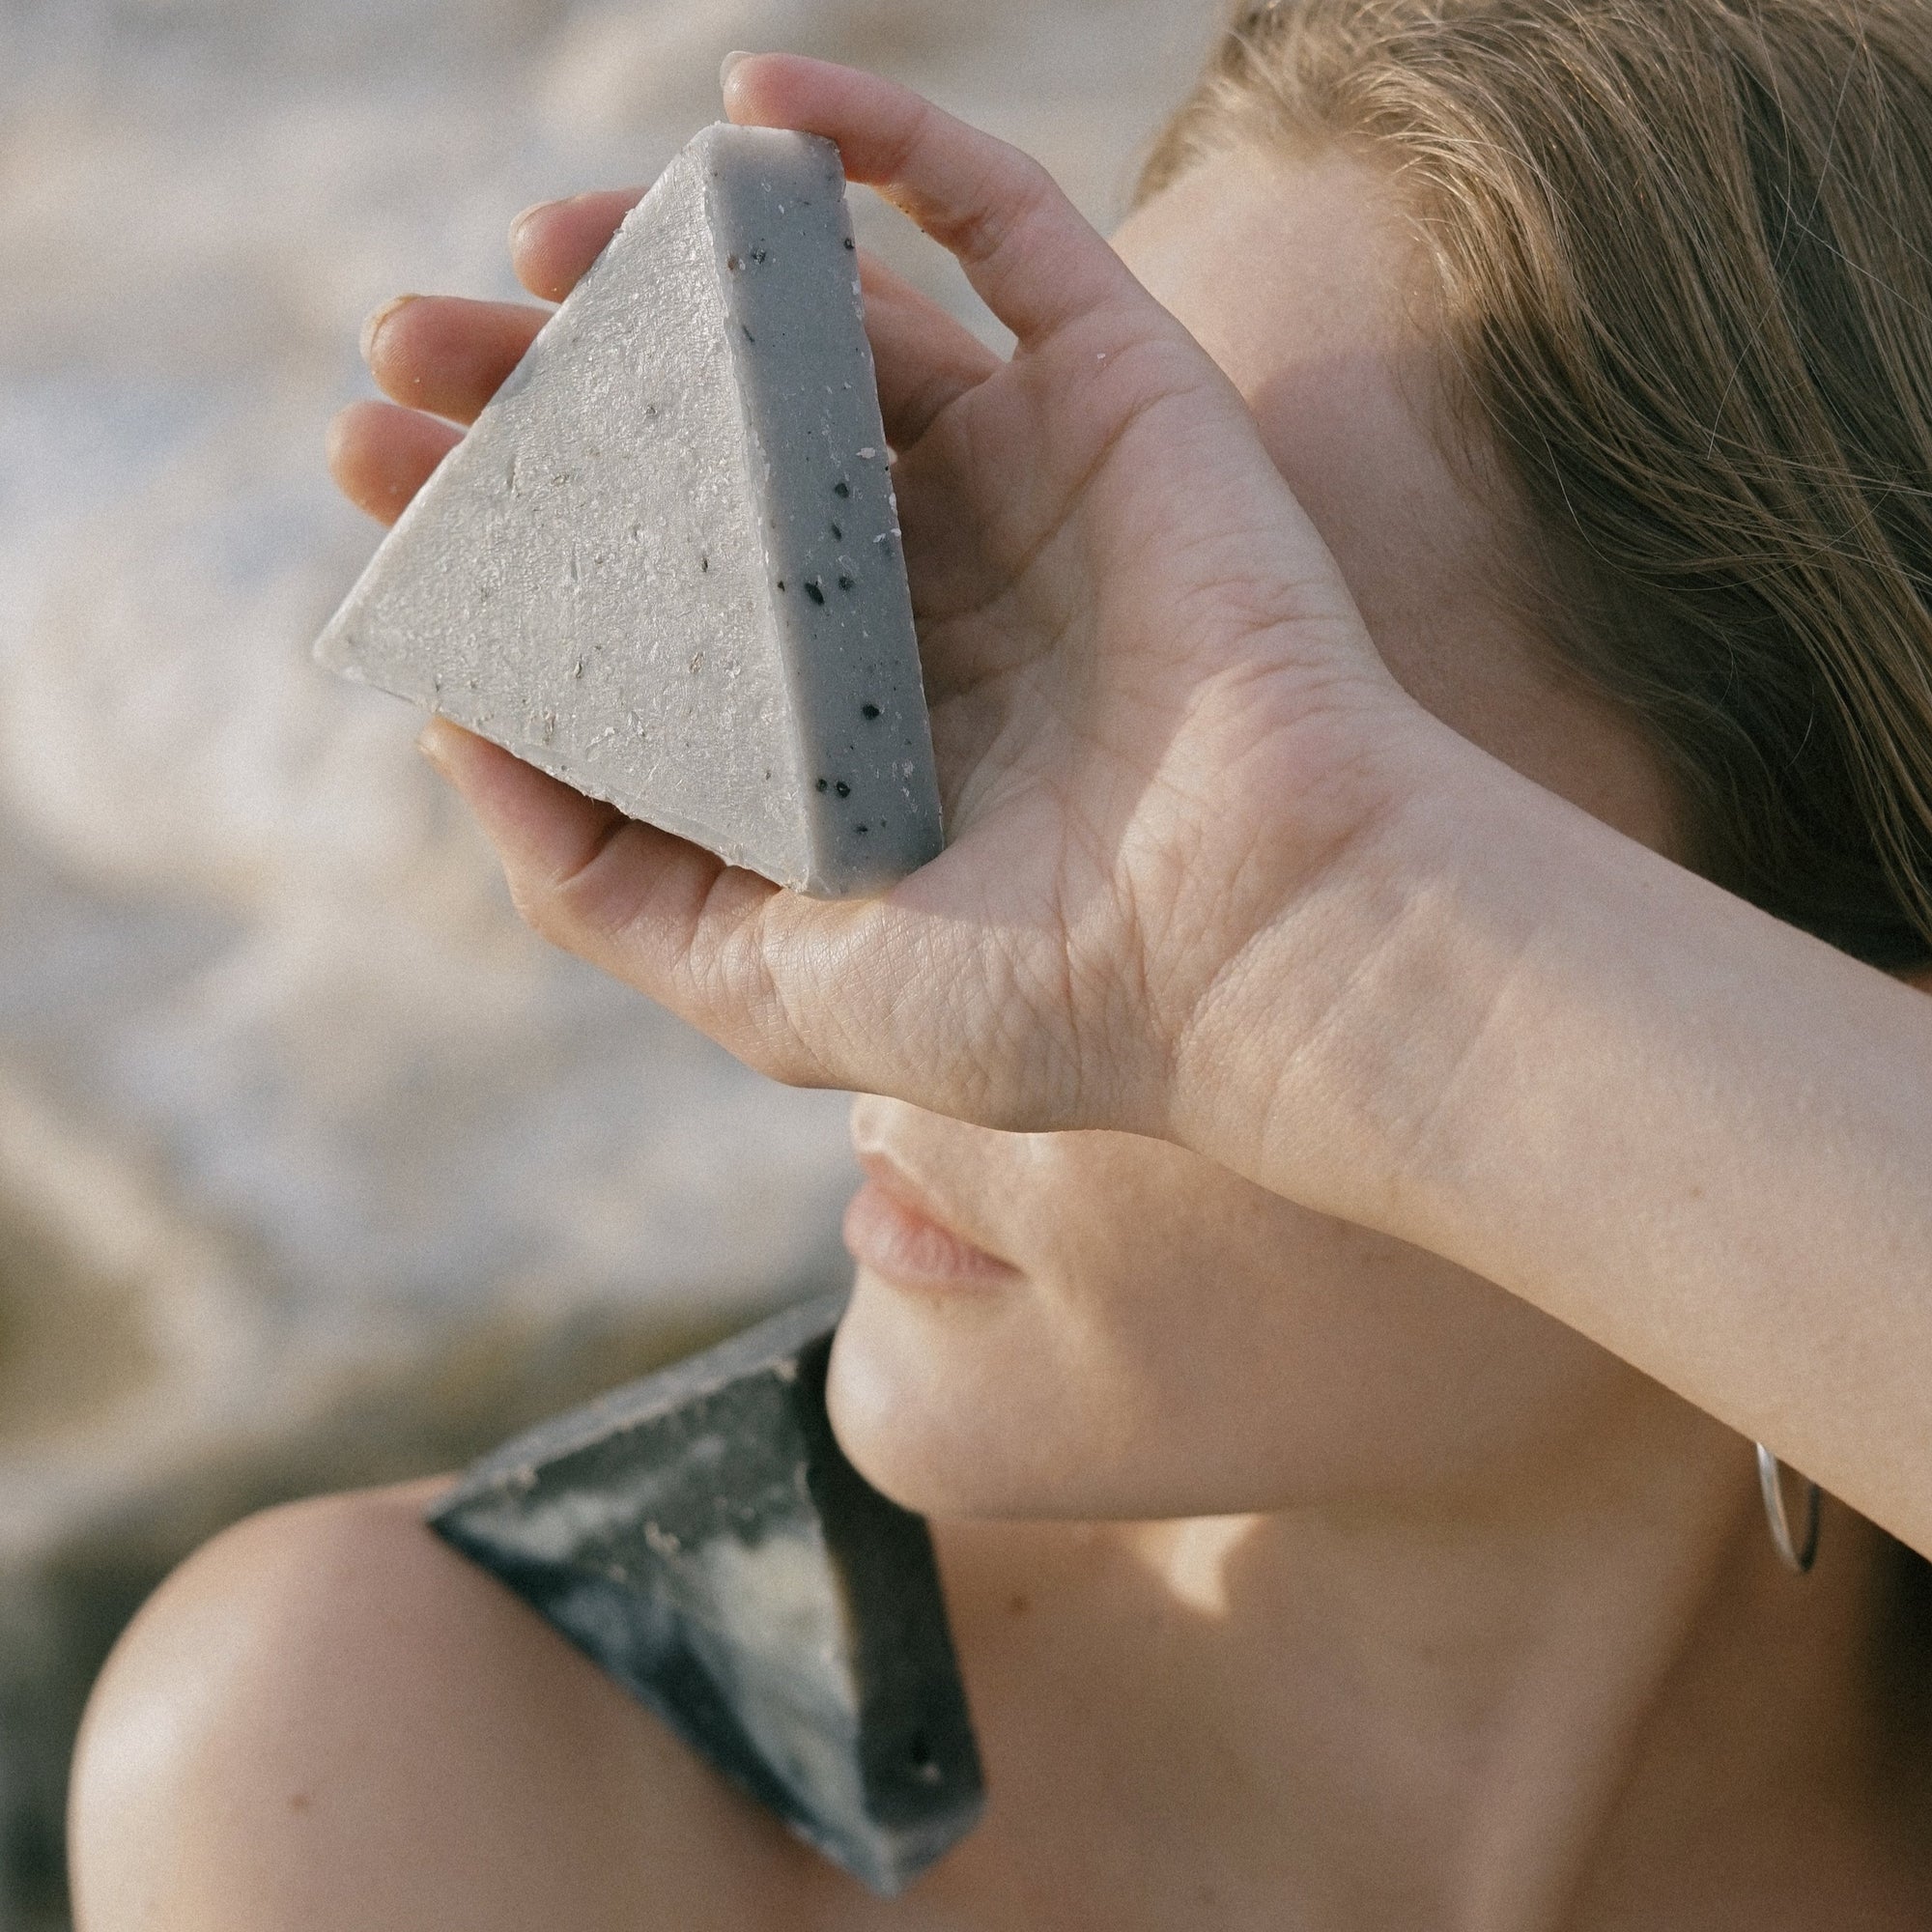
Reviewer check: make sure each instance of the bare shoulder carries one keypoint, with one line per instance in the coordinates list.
(361, 1728)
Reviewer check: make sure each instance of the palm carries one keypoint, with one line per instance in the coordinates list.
(1152, 701)
(1126, 653)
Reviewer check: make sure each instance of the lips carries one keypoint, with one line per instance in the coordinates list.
(893, 1229)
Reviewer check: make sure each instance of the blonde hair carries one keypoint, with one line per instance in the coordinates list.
(1684, 250)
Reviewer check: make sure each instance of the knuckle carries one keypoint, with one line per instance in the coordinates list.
(585, 901)
(743, 980)
(538, 904)
(904, 144)
(1013, 192)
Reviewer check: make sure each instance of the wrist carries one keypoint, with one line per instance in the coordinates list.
(1326, 1061)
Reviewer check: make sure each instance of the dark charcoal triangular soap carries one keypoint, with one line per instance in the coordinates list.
(702, 1536)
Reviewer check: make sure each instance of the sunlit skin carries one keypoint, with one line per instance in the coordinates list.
(1215, 875)
(1073, 1399)
(1301, 1576)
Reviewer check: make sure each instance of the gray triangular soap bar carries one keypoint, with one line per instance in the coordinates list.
(702, 1536)
(664, 565)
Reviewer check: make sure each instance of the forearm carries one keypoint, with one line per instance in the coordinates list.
(1693, 1133)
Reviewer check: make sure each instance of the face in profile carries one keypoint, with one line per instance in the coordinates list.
(1098, 1325)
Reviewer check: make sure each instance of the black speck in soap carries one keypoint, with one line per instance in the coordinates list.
(869, 711)
(824, 785)
(850, 244)
(814, 592)
(846, 583)
(704, 563)
(841, 488)
(761, 255)
(843, 790)
(862, 830)
(837, 535)
(748, 336)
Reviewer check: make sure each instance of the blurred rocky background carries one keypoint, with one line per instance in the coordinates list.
(314, 1169)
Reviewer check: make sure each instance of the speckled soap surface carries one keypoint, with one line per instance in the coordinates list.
(664, 565)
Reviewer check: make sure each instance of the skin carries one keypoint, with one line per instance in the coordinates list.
(1215, 876)
(1302, 1574)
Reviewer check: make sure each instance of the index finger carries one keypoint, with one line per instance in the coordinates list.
(552, 243)
(1035, 259)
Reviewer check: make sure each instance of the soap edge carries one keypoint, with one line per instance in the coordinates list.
(799, 664)
(751, 1351)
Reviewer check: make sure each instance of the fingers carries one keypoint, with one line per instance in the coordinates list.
(546, 832)
(657, 912)
(1032, 257)
(925, 359)
(381, 455)
(553, 243)
(446, 355)
(624, 896)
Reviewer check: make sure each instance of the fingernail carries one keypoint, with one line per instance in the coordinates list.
(375, 324)
(431, 742)
(731, 64)
(517, 226)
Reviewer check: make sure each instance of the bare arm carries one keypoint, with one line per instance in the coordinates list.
(1694, 1133)
(1215, 876)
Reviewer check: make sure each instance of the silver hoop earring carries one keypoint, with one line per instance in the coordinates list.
(1798, 1557)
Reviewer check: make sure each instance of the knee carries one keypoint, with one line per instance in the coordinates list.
(242, 1692)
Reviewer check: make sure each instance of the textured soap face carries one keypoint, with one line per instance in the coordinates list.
(702, 1538)
(664, 565)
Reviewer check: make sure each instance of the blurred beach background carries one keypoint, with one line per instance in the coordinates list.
(315, 1168)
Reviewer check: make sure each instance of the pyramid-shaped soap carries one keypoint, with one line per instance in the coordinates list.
(664, 565)
(701, 1535)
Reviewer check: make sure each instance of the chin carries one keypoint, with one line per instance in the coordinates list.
(908, 1407)
(970, 1407)
(925, 1401)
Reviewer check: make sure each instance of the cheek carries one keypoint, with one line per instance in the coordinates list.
(1182, 1344)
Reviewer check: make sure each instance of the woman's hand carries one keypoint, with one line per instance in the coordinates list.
(1161, 728)
(1212, 876)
